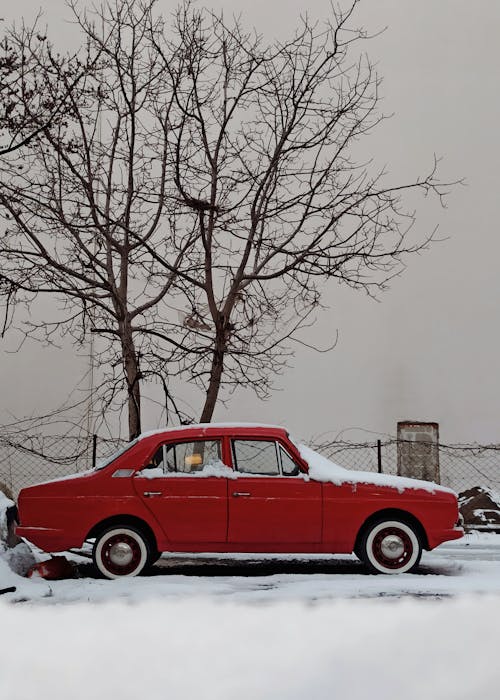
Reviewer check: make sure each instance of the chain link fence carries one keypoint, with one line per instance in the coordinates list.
(41, 458)
(36, 459)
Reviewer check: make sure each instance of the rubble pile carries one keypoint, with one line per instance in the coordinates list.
(480, 508)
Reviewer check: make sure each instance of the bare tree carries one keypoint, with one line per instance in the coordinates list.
(31, 95)
(198, 191)
(85, 200)
(266, 172)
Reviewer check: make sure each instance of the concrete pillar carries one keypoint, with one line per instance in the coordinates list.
(418, 450)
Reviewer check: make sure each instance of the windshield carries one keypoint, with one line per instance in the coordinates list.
(107, 460)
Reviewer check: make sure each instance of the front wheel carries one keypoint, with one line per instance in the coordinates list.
(153, 557)
(120, 551)
(390, 547)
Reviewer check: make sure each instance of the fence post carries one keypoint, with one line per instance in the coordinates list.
(94, 450)
(379, 456)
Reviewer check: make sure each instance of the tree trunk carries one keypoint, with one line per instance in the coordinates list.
(132, 376)
(214, 383)
(134, 403)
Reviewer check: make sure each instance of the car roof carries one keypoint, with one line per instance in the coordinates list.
(213, 429)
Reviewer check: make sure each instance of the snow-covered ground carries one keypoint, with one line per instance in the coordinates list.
(266, 627)
(470, 565)
(216, 649)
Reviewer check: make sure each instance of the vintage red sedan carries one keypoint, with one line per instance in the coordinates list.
(235, 488)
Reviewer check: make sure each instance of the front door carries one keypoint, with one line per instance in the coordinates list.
(270, 503)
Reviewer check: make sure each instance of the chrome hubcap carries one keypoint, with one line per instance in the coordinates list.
(121, 554)
(392, 546)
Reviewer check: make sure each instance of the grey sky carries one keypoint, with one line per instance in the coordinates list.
(430, 349)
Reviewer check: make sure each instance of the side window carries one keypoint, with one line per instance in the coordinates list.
(288, 466)
(193, 456)
(256, 457)
(187, 457)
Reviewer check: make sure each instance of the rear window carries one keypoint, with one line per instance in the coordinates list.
(108, 460)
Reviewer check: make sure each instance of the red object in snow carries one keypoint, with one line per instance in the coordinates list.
(255, 495)
(53, 569)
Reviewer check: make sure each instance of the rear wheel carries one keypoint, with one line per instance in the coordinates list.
(390, 547)
(120, 551)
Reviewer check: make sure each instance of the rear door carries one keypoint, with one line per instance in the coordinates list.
(189, 506)
(270, 503)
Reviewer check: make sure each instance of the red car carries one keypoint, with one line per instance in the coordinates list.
(235, 488)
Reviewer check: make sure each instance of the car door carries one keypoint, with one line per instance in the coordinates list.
(189, 506)
(270, 503)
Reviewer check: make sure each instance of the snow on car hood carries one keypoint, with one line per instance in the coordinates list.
(323, 469)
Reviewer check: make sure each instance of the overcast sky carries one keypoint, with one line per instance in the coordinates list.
(429, 350)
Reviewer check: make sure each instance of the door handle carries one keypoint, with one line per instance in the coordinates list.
(241, 493)
(149, 494)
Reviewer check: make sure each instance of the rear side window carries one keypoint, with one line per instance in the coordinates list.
(187, 457)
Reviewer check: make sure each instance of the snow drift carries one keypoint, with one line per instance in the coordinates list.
(16, 561)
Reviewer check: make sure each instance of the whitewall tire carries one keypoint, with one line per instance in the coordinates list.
(390, 547)
(120, 551)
